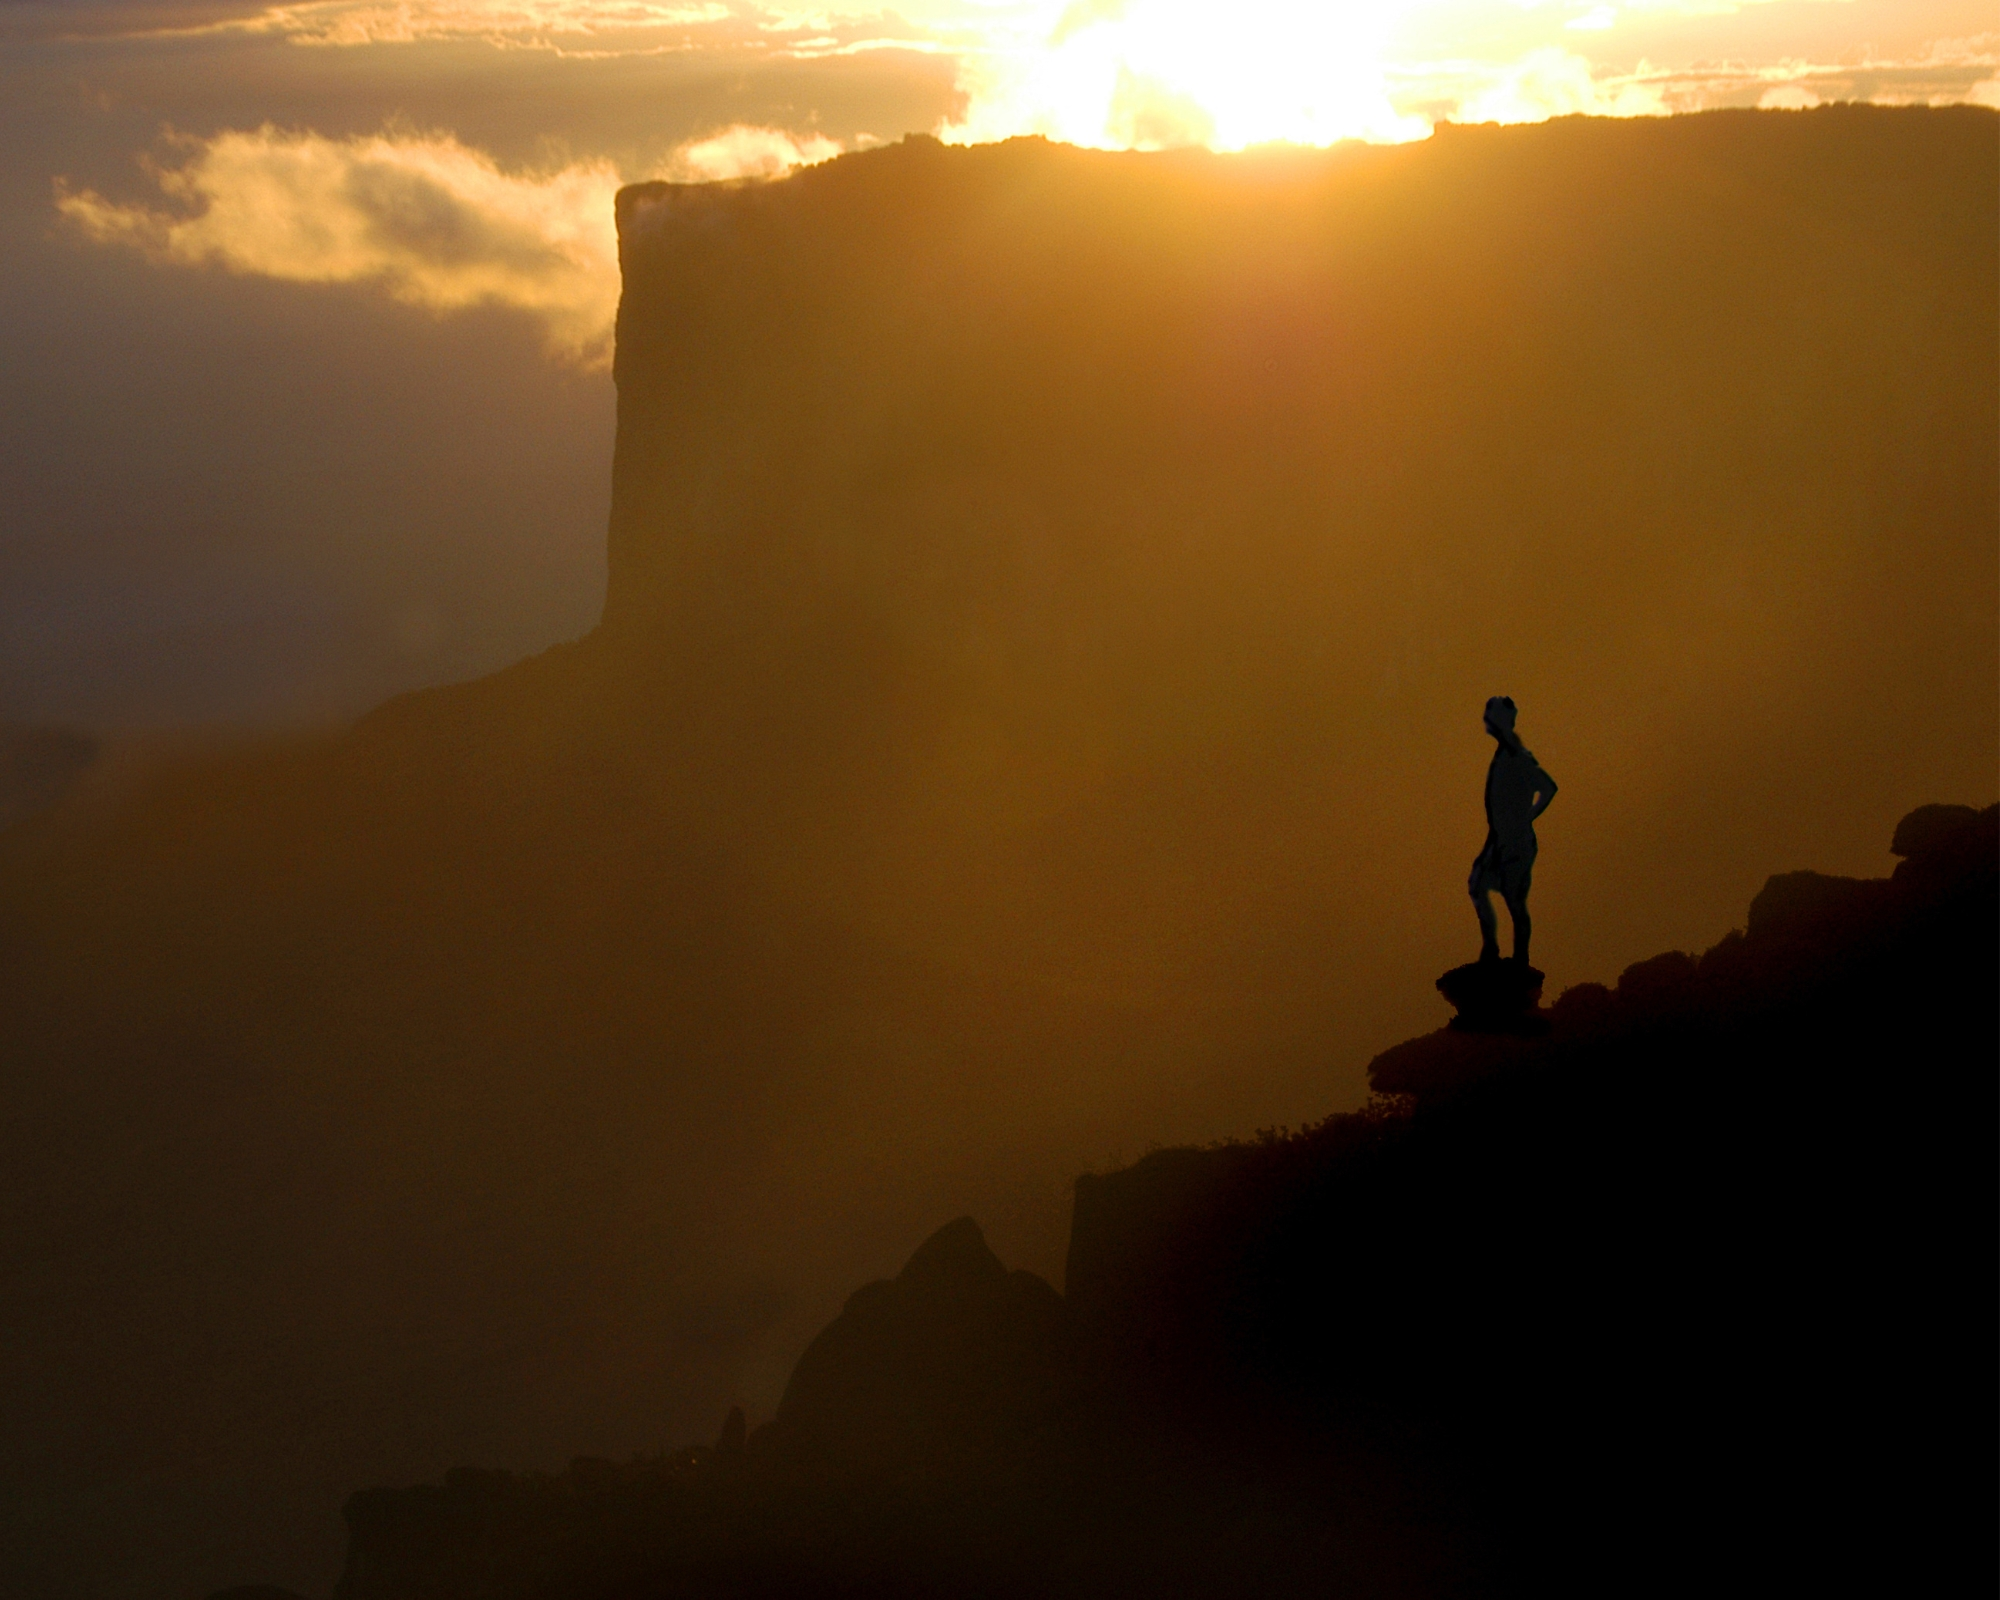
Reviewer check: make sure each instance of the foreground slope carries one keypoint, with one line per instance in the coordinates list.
(1566, 1324)
(1035, 716)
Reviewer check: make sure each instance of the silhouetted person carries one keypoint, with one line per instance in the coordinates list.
(1517, 792)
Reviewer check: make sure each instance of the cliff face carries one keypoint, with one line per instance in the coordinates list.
(1035, 716)
(1020, 473)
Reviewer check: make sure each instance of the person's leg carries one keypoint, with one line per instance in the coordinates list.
(1489, 927)
(1517, 908)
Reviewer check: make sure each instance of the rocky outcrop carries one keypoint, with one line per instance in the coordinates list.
(1496, 997)
(1667, 1232)
(1681, 1287)
(942, 1438)
(952, 1362)
(950, 1372)
(1803, 929)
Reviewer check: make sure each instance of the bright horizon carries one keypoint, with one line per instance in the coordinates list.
(285, 200)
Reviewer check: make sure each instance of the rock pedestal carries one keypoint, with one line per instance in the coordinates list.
(1495, 997)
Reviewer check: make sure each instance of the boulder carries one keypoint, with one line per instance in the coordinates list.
(1495, 997)
(1945, 843)
(1932, 831)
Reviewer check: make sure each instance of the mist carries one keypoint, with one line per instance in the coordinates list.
(1050, 600)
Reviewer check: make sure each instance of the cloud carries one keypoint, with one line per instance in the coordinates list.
(1951, 72)
(1554, 83)
(88, 19)
(361, 22)
(1152, 73)
(612, 27)
(432, 222)
(746, 152)
(342, 22)
(1788, 97)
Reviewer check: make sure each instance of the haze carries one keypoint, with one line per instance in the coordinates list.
(582, 874)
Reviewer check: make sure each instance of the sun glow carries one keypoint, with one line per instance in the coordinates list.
(1151, 74)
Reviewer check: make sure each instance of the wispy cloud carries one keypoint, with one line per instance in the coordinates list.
(363, 22)
(1557, 81)
(425, 218)
(1949, 72)
(1153, 72)
(1541, 84)
(746, 152)
(614, 27)
(429, 220)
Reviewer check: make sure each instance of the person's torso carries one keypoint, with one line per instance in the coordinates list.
(1511, 782)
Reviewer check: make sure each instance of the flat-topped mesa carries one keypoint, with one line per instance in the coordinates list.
(1031, 390)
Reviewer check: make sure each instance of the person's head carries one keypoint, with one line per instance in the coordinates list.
(1500, 716)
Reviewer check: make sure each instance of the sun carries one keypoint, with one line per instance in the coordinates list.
(1151, 74)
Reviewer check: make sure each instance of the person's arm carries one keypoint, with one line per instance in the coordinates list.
(1545, 791)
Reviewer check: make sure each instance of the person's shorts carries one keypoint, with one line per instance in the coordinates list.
(1507, 873)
